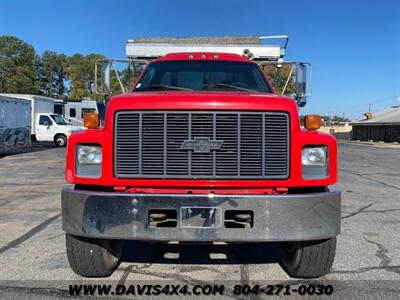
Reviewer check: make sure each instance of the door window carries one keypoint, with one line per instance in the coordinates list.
(45, 121)
(72, 112)
(58, 109)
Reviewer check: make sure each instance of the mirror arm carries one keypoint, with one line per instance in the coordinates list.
(288, 79)
(118, 78)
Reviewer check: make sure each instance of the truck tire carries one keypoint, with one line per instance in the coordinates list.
(60, 140)
(308, 259)
(93, 257)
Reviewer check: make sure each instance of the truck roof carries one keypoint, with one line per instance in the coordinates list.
(214, 56)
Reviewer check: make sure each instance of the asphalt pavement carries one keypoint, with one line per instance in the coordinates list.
(32, 245)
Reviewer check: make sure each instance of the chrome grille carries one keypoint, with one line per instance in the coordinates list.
(255, 145)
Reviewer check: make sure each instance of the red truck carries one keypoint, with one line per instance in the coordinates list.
(203, 150)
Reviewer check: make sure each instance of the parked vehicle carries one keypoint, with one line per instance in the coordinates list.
(39, 104)
(15, 123)
(202, 150)
(54, 128)
(74, 110)
(57, 129)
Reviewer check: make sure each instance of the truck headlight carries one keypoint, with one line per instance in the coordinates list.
(88, 161)
(314, 162)
(315, 156)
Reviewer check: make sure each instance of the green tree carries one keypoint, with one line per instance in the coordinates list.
(52, 74)
(334, 118)
(18, 66)
(81, 77)
(328, 119)
(127, 76)
(279, 77)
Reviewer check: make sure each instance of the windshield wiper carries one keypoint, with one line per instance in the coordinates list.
(235, 87)
(163, 86)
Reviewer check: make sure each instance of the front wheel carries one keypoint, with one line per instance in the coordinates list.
(60, 140)
(308, 259)
(90, 257)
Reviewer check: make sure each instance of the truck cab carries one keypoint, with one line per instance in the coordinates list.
(203, 149)
(54, 128)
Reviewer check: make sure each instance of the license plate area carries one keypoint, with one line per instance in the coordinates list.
(200, 217)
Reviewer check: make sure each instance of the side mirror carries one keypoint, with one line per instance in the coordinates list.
(102, 73)
(303, 83)
(106, 77)
(108, 71)
(103, 76)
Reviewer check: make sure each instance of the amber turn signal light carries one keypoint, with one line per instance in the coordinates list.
(312, 122)
(91, 120)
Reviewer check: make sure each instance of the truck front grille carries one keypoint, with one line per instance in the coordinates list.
(219, 145)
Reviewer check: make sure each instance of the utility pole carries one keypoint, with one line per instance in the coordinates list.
(331, 117)
(369, 107)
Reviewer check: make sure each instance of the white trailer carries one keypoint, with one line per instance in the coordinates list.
(74, 110)
(39, 104)
(15, 124)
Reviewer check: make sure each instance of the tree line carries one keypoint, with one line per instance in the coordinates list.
(51, 74)
(23, 71)
(329, 120)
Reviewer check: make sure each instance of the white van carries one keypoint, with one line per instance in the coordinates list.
(54, 128)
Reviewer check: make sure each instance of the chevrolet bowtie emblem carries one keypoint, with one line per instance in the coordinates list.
(201, 145)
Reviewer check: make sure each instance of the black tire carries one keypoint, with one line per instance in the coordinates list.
(308, 259)
(60, 140)
(93, 257)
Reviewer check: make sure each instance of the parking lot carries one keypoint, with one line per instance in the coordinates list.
(32, 245)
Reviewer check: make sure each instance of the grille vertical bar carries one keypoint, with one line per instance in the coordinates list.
(227, 156)
(127, 135)
(255, 145)
(251, 138)
(276, 145)
(153, 144)
(177, 131)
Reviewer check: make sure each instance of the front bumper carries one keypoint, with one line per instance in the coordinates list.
(275, 217)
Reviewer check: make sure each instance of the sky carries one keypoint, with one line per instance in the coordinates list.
(353, 45)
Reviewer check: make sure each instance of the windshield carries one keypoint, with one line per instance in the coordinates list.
(203, 76)
(59, 120)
